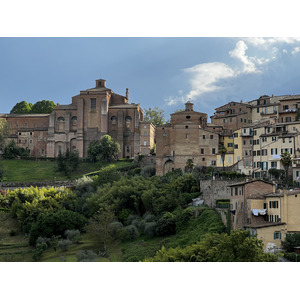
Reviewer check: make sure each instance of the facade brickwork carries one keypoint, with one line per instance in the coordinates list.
(92, 114)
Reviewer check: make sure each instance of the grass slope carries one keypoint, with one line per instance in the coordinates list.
(16, 248)
(30, 171)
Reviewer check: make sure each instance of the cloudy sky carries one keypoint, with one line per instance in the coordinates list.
(163, 72)
(165, 52)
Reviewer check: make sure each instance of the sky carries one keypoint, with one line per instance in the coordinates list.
(162, 72)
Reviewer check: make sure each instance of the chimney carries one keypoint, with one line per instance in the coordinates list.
(127, 95)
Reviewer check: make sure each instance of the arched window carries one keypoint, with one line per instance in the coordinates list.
(128, 122)
(113, 120)
(74, 119)
(61, 119)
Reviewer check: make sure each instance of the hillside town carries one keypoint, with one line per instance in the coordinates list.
(246, 138)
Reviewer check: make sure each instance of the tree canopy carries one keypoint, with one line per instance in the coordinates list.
(239, 246)
(40, 107)
(156, 116)
(22, 108)
(106, 149)
(43, 107)
(4, 132)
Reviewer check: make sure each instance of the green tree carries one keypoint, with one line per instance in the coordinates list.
(68, 162)
(12, 150)
(222, 151)
(106, 149)
(54, 224)
(290, 242)
(22, 108)
(4, 133)
(286, 161)
(99, 227)
(43, 107)
(189, 165)
(156, 116)
(239, 246)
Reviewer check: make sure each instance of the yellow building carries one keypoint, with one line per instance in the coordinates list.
(227, 141)
(280, 212)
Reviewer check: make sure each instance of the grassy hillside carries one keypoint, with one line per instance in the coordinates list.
(15, 248)
(29, 170)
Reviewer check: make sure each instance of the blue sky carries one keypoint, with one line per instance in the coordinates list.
(163, 72)
(160, 71)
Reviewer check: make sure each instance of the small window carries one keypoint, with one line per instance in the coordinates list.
(74, 119)
(61, 119)
(211, 137)
(186, 127)
(93, 103)
(145, 143)
(188, 117)
(203, 137)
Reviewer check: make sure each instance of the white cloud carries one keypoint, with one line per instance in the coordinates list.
(206, 76)
(284, 51)
(295, 50)
(266, 42)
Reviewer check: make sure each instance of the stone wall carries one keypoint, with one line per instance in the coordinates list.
(215, 189)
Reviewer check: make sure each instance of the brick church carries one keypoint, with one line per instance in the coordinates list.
(92, 114)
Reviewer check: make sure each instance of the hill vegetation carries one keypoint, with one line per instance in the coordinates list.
(112, 216)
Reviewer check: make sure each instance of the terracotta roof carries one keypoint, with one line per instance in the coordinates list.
(265, 224)
(250, 181)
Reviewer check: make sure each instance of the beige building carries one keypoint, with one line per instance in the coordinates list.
(282, 210)
(185, 137)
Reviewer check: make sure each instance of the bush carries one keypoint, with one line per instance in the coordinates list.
(63, 244)
(149, 229)
(127, 233)
(148, 171)
(166, 225)
(72, 234)
(86, 256)
(51, 224)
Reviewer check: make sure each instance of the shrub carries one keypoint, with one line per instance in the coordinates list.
(86, 256)
(148, 171)
(56, 223)
(166, 225)
(63, 244)
(148, 217)
(127, 233)
(149, 229)
(72, 234)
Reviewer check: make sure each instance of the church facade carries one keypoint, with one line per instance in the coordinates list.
(92, 114)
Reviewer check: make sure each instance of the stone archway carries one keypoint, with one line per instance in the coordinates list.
(169, 166)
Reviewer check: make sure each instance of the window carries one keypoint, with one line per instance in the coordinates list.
(241, 120)
(203, 159)
(93, 103)
(186, 136)
(188, 117)
(274, 138)
(236, 146)
(211, 137)
(186, 127)
(213, 163)
(230, 145)
(288, 119)
(61, 119)
(273, 151)
(277, 235)
(273, 164)
(203, 137)
(257, 110)
(113, 120)
(236, 134)
(283, 140)
(202, 151)
(285, 107)
(244, 142)
(145, 133)
(236, 193)
(213, 151)
(145, 143)
(230, 159)
(74, 119)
